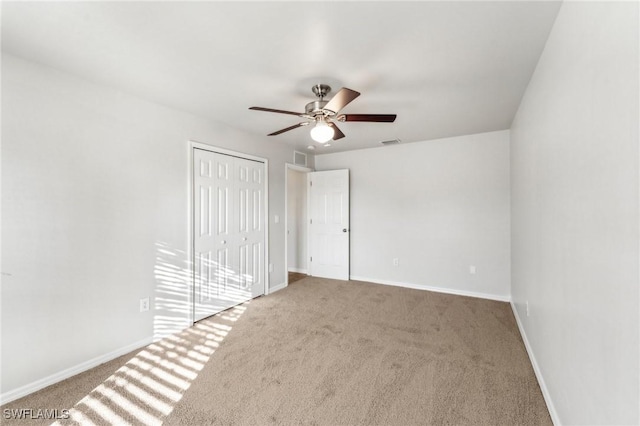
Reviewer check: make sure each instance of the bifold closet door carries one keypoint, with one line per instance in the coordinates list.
(229, 233)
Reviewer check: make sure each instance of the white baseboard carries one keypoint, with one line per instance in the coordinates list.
(27, 389)
(298, 270)
(436, 289)
(543, 386)
(277, 287)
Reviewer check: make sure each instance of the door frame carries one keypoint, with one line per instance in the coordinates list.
(287, 167)
(193, 145)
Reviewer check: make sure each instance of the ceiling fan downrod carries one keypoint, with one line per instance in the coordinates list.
(315, 107)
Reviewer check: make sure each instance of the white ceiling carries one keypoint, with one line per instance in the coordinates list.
(445, 68)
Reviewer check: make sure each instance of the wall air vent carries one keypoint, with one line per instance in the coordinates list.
(300, 158)
(391, 142)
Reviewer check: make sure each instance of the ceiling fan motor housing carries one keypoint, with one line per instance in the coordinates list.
(315, 107)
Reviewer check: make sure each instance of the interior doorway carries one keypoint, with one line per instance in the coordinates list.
(296, 223)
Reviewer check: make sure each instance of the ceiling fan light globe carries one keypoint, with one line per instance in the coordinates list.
(322, 132)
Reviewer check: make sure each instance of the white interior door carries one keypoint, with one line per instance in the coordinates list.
(329, 224)
(229, 233)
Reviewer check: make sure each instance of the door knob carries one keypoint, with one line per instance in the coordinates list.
(344, 230)
(223, 242)
(244, 239)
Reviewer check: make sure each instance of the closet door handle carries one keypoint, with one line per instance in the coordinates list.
(223, 242)
(244, 238)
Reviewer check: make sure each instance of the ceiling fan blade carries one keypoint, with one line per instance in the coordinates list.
(337, 133)
(295, 126)
(276, 110)
(379, 118)
(341, 99)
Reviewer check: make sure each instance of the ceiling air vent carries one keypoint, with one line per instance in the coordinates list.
(391, 142)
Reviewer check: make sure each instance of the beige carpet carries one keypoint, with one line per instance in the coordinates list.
(296, 276)
(321, 352)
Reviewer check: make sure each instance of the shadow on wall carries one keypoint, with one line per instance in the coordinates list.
(146, 389)
(218, 286)
(172, 304)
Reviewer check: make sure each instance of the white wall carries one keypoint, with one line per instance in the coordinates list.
(296, 224)
(574, 162)
(438, 206)
(95, 216)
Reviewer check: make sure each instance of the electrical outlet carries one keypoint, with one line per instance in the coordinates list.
(270, 267)
(396, 261)
(527, 307)
(472, 269)
(144, 304)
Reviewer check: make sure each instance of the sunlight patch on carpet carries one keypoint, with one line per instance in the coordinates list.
(146, 389)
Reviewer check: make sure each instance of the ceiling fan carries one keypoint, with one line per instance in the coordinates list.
(325, 114)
